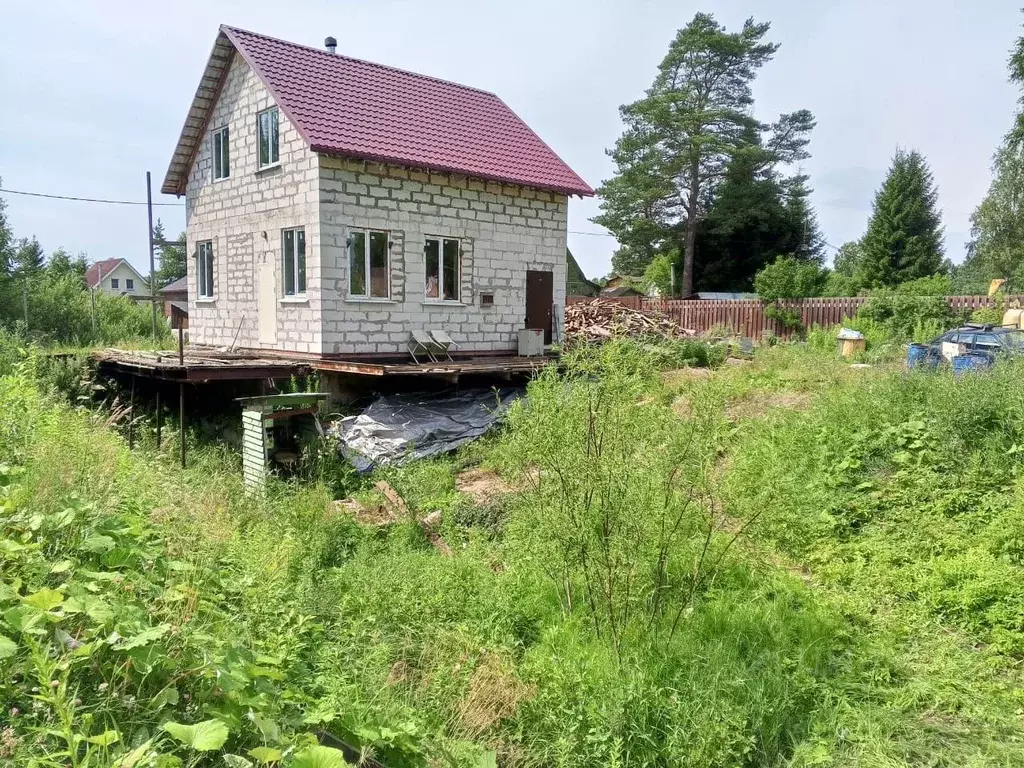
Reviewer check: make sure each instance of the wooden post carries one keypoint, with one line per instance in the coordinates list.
(159, 417)
(152, 267)
(181, 346)
(92, 301)
(131, 418)
(181, 420)
(24, 300)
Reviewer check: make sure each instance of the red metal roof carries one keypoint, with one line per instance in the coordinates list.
(344, 106)
(96, 271)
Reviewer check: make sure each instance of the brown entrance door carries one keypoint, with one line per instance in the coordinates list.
(540, 295)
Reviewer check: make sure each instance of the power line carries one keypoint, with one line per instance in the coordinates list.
(86, 199)
(179, 205)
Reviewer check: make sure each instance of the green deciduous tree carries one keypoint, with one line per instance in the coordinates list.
(997, 225)
(680, 137)
(6, 238)
(904, 236)
(843, 279)
(658, 275)
(788, 278)
(61, 264)
(996, 249)
(172, 257)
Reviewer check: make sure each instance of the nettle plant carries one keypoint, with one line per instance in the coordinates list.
(112, 653)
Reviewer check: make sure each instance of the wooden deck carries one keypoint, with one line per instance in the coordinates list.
(199, 364)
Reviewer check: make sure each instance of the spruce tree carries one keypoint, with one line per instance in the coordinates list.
(29, 258)
(904, 236)
(810, 242)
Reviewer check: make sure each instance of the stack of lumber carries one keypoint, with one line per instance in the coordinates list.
(600, 320)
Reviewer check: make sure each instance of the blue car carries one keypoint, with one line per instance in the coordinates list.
(991, 339)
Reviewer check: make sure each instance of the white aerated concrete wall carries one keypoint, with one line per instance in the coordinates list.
(504, 231)
(243, 216)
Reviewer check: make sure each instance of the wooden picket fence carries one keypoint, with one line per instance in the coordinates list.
(746, 316)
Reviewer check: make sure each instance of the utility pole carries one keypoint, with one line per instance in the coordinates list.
(24, 300)
(152, 257)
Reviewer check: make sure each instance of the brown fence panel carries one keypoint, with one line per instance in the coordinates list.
(747, 316)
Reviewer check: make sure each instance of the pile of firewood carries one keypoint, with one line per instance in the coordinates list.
(600, 320)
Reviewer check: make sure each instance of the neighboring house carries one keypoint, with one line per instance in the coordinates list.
(576, 283)
(622, 292)
(621, 286)
(175, 296)
(334, 205)
(115, 276)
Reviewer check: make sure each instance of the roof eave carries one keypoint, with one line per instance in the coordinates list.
(207, 93)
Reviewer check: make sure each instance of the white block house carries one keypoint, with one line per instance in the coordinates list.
(333, 205)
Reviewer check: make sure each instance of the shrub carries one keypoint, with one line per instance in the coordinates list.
(788, 278)
(900, 310)
(61, 311)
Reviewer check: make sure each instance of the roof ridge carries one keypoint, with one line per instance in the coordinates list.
(322, 52)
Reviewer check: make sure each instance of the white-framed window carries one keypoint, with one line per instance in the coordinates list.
(267, 138)
(368, 255)
(221, 154)
(293, 261)
(129, 284)
(205, 270)
(114, 283)
(443, 260)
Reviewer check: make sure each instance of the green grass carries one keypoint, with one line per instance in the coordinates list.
(606, 613)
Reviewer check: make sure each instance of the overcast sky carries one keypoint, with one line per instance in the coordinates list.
(95, 93)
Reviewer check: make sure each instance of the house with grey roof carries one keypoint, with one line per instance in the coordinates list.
(334, 205)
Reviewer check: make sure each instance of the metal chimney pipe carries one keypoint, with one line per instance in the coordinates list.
(331, 45)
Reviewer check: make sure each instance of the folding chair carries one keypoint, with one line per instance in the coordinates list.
(420, 342)
(444, 342)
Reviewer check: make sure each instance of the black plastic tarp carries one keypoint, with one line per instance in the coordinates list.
(395, 429)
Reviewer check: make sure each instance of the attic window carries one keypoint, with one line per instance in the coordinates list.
(221, 154)
(268, 138)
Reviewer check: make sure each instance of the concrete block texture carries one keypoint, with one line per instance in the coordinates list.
(502, 230)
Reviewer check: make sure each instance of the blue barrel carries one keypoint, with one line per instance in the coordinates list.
(922, 356)
(972, 361)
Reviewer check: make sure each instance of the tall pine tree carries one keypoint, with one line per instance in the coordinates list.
(680, 138)
(904, 236)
